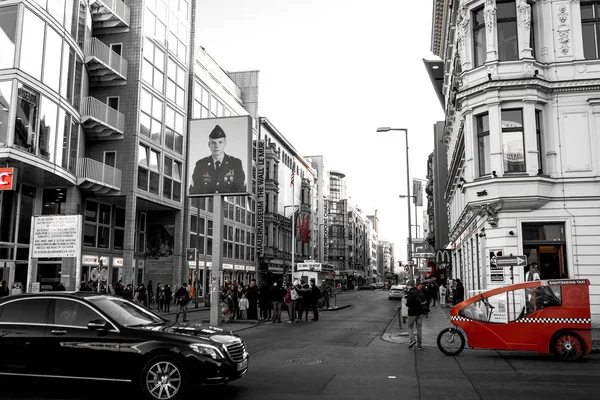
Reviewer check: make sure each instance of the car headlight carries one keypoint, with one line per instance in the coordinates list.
(207, 350)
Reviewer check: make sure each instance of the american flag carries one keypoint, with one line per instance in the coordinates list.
(292, 179)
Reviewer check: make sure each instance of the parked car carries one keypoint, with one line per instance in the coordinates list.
(367, 286)
(379, 285)
(98, 337)
(397, 292)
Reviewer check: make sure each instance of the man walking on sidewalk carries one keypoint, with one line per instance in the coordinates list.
(415, 315)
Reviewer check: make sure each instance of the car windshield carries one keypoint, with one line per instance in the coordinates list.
(125, 312)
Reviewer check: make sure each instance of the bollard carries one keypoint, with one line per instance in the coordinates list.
(403, 331)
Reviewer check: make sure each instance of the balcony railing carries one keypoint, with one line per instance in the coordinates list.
(95, 113)
(109, 14)
(97, 176)
(96, 50)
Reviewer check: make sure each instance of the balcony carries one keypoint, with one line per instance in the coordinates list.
(109, 16)
(97, 177)
(101, 121)
(104, 65)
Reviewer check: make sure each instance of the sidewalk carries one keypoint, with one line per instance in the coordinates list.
(439, 318)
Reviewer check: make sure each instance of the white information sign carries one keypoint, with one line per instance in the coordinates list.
(56, 235)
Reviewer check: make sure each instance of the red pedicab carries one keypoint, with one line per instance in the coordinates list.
(548, 316)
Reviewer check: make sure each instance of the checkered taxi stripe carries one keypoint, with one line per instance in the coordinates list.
(556, 320)
(540, 320)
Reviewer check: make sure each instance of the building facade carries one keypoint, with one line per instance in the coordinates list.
(522, 134)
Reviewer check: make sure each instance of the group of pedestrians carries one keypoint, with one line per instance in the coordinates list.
(266, 303)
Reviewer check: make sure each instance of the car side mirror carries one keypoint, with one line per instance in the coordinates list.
(98, 325)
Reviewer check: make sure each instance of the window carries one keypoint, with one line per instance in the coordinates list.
(590, 26)
(119, 236)
(155, 20)
(73, 313)
(153, 68)
(513, 147)
(195, 236)
(141, 242)
(96, 229)
(508, 45)
(174, 130)
(53, 201)
(8, 26)
(175, 83)
(483, 144)
(5, 99)
(26, 311)
(32, 44)
(479, 40)
(148, 168)
(52, 61)
(151, 116)
(172, 179)
(26, 118)
(178, 37)
(538, 136)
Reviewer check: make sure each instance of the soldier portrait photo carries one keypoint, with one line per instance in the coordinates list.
(219, 172)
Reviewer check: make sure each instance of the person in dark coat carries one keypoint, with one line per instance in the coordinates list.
(4, 291)
(264, 302)
(306, 300)
(459, 292)
(219, 172)
(415, 314)
(252, 296)
(277, 296)
(168, 297)
(315, 295)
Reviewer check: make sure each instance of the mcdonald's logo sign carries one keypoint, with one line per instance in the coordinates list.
(443, 256)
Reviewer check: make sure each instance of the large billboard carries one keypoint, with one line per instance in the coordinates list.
(220, 156)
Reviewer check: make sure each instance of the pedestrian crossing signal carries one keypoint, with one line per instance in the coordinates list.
(191, 254)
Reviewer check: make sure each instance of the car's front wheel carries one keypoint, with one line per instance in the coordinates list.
(163, 378)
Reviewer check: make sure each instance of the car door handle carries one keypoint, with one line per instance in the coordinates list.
(58, 332)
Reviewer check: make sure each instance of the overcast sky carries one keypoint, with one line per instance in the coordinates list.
(331, 72)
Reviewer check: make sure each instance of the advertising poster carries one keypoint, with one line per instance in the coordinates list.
(496, 272)
(220, 156)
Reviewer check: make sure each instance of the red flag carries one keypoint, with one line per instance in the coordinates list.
(292, 179)
(305, 232)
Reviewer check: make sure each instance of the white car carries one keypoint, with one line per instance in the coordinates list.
(397, 292)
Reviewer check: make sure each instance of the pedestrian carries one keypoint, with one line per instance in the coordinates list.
(243, 306)
(315, 295)
(182, 297)
(434, 292)
(299, 303)
(168, 297)
(140, 296)
(306, 297)
(442, 295)
(415, 315)
(118, 287)
(150, 291)
(232, 298)
(160, 296)
(534, 273)
(277, 295)
(264, 303)
(326, 292)
(459, 292)
(291, 300)
(4, 289)
(252, 296)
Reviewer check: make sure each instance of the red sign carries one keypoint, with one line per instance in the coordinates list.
(7, 176)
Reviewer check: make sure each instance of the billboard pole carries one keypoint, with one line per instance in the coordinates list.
(217, 258)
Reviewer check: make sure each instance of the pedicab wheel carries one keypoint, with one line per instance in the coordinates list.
(163, 379)
(451, 341)
(567, 346)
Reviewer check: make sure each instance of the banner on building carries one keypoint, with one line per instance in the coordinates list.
(418, 193)
(56, 235)
(325, 243)
(260, 198)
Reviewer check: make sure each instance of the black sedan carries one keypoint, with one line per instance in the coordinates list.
(96, 337)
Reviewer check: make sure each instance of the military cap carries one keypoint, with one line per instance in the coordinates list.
(217, 133)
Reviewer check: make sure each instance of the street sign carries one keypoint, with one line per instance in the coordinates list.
(190, 254)
(511, 261)
(423, 255)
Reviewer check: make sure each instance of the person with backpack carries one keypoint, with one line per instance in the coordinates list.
(414, 300)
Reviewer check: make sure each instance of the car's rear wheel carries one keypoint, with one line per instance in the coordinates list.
(163, 378)
(451, 341)
(567, 346)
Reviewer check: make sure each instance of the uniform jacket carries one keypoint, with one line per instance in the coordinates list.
(228, 178)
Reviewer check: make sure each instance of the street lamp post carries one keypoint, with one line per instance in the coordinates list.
(409, 249)
(293, 239)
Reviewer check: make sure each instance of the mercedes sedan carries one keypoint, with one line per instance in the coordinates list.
(97, 337)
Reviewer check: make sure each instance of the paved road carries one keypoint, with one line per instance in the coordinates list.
(354, 354)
